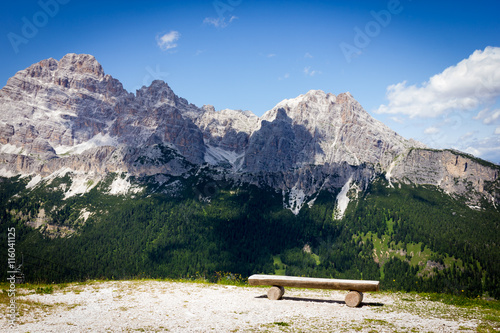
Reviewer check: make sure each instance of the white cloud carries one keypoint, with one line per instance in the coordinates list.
(219, 22)
(488, 116)
(309, 72)
(467, 136)
(431, 130)
(497, 130)
(216, 22)
(308, 55)
(271, 55)
(487, 148)
(473, 151)
(464, 87)
(168, 41)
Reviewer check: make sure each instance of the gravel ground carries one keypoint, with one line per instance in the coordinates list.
(156, 306)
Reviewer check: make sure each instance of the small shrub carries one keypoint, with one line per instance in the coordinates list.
(44, 290)
(281, 323)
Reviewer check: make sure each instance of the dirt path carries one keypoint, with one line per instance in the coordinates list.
(154, 306)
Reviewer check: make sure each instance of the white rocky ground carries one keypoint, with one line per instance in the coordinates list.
(155, 306)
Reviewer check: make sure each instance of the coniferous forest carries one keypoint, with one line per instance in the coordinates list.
(411, 238)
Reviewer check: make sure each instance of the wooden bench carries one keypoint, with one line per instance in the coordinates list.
(278, 282)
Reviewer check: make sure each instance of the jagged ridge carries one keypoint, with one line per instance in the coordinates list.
(69, 114)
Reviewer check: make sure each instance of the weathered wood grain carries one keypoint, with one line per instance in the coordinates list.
(315, 283)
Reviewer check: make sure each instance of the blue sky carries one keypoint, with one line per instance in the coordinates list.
(429, 70)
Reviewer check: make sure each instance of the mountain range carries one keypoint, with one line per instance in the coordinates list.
(69, 117)
(98, 182)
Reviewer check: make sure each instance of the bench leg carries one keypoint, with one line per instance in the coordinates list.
(353, 298)
(275, 293)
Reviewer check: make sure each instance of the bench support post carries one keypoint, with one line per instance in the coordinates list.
(353, 298)
(275, 293)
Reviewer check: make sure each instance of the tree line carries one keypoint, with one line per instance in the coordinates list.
(241, 230)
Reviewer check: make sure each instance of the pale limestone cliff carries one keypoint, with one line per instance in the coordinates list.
(70, 115)
(454, 172)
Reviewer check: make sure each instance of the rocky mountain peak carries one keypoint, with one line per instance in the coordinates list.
(158, 92)
(160, 95)
(281, 115)
(317, 96)
(42, 68)
(208, 108)
(316, 100)
(344, 98)
(81, 63)
(77, 71)
(227, 129)
(312, 96)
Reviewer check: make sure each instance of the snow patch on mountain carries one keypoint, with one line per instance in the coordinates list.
(98, 140)
(296, 199)
(122, 185)
(84, 214)
(7, 173)
(311, 202)
(81, 183)
(217, 155)
(34, 181)
(11, 149)
(343, 200)
(393, 164)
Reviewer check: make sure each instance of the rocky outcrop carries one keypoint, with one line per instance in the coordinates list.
(70, 102)
(227, 129)
(64, 102)
(452, 171)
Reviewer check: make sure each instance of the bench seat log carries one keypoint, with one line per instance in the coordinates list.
(315, 283)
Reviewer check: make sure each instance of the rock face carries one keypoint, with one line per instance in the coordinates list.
(318, 128)
(452, 171)
(228, 129)
(65, 107)
(69, 114)
(64, 103)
